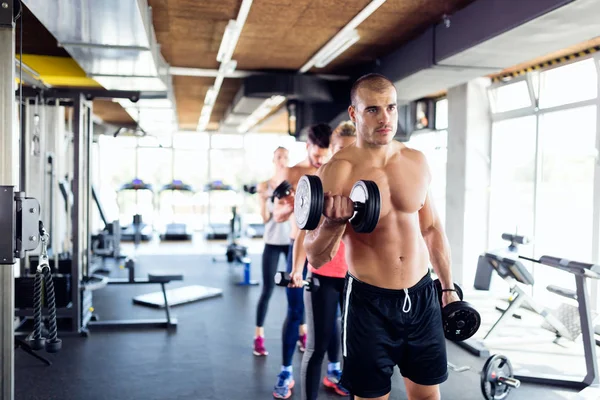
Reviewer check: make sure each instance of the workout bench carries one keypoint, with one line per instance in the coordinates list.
(153, 278)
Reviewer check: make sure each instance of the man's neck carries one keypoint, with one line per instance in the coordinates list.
(377, 150)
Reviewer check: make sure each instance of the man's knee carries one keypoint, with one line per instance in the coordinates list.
(386, 397)
(421, 392)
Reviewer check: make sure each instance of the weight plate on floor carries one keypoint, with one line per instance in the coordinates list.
(495, 366)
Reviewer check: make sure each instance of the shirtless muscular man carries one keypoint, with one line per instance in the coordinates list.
(391, 310)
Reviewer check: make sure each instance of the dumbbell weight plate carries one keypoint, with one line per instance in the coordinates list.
(495, 366)
(366, 217)
(282, 190)
(308, 202)
(460, 319)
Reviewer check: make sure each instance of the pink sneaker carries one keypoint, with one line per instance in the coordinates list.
(302, 343)
(259, 347)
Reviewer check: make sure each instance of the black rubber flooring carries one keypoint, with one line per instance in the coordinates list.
(209, 355)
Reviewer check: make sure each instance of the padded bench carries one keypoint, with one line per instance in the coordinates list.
(157, 277)
(568, 293)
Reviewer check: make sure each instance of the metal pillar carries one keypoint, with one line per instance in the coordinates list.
(79, 206)
(9, 175)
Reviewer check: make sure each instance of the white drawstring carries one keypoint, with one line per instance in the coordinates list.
(406, 300)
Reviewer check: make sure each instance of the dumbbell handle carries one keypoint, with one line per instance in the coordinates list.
(281, 281)
(512, 382)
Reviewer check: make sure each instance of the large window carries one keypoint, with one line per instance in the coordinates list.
(565, 189)
(568, 84)
(543, 167)
(512, 179)
(511, 97)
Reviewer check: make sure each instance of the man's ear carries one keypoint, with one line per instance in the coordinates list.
(352, 114)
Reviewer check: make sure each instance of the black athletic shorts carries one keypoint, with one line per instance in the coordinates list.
(383, 328)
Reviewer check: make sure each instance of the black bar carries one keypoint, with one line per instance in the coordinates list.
(124, 281)
(62, 186)
(133, 323)
(587, 330)
(61, 312)
(7, 18)
(51, 197)
(164, 292)
(76, 263)
(7, 224)
(99, 206)
(88, 131)
(23, 149)
(88, 94)
(551, 380)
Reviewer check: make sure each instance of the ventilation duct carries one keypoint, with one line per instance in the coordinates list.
(315, 95)
(484, 38)
(113, 41)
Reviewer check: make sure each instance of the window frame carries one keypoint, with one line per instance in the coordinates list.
(492, 89)
(537, 112)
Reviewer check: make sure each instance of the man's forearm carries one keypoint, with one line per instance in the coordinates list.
(322, 244)
(439, 254)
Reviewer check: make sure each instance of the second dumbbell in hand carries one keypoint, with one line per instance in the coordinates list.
(283, 279)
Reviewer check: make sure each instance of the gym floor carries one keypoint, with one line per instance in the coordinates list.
(209, 355)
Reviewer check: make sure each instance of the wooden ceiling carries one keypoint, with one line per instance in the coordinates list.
(278, 35)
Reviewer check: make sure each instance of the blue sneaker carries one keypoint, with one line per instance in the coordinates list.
(284, 385)
(332, 381)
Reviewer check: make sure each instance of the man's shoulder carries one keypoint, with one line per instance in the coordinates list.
(336, 166)
(404, 150)
(297, 170)
(294, 173)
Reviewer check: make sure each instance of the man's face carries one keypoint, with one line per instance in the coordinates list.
(281, 158)
(375, 115)
(317, 155)
(339, 142)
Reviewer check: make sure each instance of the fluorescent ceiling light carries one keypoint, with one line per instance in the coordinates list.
(344, 33)
(227, 41)
(230, 67)
(226, 49)
(338, 49)
(211, 96)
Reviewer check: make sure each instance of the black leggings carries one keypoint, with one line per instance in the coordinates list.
(270, 260)
(321, 309)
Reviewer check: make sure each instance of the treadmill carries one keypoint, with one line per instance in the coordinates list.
(219, 229)
(175, 231)
(128, 232)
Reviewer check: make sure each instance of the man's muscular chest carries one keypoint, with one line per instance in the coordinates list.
(402, 184)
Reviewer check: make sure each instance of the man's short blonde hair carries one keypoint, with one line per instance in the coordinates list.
(346, 129)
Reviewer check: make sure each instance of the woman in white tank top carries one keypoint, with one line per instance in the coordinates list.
(277, 240)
